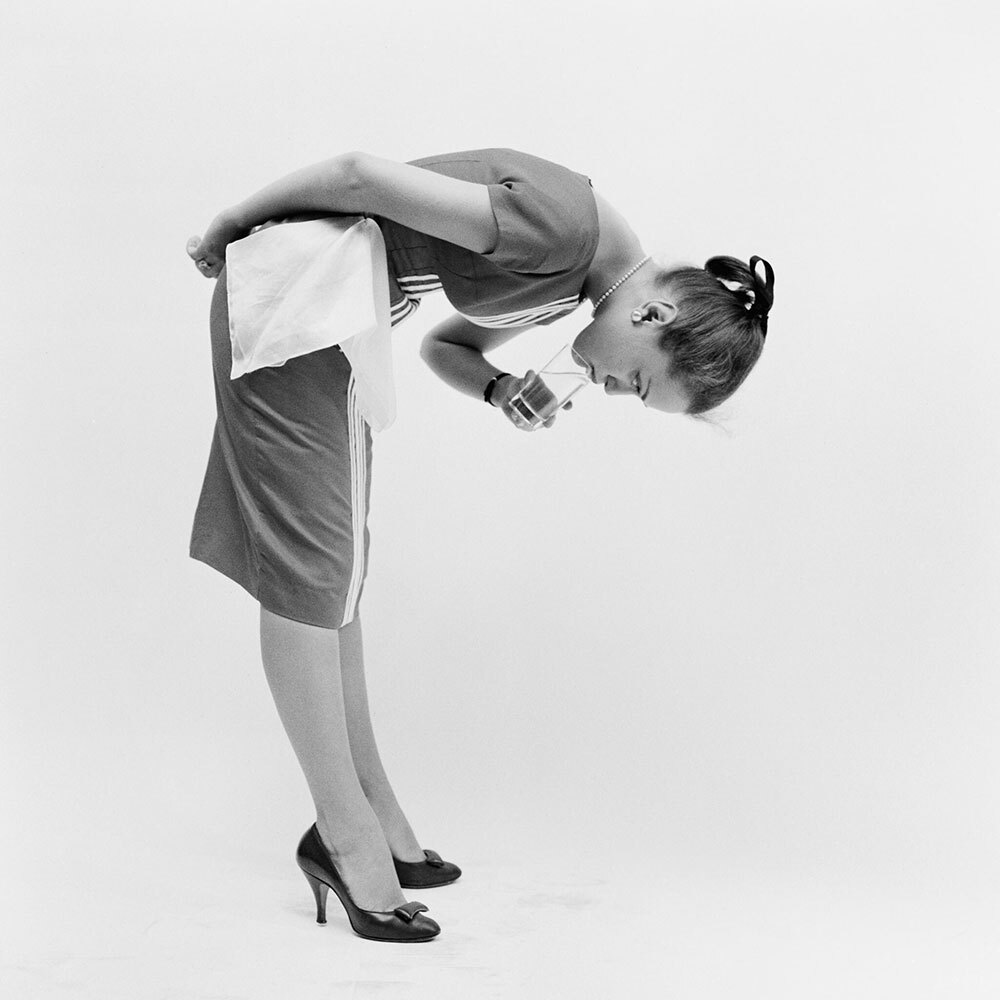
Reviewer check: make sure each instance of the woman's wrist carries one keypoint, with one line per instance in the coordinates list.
(493, 391)
(237, 219)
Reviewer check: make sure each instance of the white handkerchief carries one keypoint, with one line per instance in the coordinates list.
(300, 287)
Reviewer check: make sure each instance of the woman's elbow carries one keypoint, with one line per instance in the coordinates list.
(346, 181)
(429, 346)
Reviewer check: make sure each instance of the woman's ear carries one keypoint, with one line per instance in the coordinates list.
(661, 312)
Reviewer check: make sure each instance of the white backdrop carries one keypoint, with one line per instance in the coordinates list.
(702, 711)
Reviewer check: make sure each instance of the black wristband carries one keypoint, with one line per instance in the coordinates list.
(491, 385)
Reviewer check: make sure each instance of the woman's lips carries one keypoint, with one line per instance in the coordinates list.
(589, 367)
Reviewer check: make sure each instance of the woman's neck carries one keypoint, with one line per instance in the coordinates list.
(618, 249)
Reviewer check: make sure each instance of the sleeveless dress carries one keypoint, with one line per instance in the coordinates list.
(284, 501)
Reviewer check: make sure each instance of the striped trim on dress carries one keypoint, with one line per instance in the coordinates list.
(526, 317)
(398, 311)
(359, 477)
(415, 285)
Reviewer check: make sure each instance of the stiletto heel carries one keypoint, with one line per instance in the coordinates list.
(320, 889)
(404, 923)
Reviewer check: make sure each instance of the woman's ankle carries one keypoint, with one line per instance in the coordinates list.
(348, 837)
(363, 860)
(397, 831)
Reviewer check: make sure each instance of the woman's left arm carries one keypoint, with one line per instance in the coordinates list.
(322, 187)
(453, 210)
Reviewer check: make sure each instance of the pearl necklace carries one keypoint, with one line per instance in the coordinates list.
(620, 281)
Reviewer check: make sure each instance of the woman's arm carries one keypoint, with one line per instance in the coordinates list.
(454, 351)
(457, 211)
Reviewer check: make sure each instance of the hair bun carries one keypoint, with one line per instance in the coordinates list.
(727, 269)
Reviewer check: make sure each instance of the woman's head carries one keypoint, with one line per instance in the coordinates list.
(684, 338)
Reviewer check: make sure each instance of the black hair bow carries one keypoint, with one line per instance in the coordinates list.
(763, 292)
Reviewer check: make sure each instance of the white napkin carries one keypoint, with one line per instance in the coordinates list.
(299, 287)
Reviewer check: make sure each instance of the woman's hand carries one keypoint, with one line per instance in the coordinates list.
(209, 251)
(507, 388)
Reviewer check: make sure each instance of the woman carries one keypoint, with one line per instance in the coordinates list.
(514, 241)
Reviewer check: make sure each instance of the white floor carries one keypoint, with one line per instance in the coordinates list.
(187, 924)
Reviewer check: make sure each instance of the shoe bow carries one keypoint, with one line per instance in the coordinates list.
(434, 859)
(409, 910)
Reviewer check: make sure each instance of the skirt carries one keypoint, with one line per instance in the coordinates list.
(283, 508)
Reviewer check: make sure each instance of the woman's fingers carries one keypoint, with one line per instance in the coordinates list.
(568, 405)
(207, 262)
(540, 396)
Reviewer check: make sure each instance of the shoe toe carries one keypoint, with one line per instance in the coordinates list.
(448, 871)
(425, 926)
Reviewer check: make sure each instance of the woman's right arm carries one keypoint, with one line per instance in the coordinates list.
(453, 210)
(454, 350)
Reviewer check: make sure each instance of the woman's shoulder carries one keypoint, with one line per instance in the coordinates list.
(497, 163)
(617, 238)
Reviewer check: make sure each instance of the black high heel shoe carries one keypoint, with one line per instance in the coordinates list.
(432, 871)
(404, 923)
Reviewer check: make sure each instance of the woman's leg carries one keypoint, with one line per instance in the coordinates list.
(302, 665)
(398, 834)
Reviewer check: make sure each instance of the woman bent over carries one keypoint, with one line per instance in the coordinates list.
(514, 242)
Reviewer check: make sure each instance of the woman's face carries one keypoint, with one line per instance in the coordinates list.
(622, 349)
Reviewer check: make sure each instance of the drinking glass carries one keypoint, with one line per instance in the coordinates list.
(551, 387)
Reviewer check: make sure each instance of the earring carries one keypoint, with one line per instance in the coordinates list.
(636, 316)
